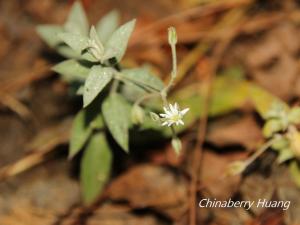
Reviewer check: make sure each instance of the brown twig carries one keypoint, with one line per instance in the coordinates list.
(218, 53)
(42, 144)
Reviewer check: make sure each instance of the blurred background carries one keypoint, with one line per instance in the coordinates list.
(251, 40)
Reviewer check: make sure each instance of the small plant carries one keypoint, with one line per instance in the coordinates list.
(116, 99)
(280, 130)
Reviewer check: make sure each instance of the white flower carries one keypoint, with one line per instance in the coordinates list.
(173, 115)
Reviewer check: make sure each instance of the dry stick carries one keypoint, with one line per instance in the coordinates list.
(16, 106)
(220, 49)
(201, 134)
(36, 157)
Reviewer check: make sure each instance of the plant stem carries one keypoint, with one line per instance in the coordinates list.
(174, 70)
(147, 96)
(260, 151)
(121, 77)
(114, 86)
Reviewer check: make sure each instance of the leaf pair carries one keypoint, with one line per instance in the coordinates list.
(75, 34)
(116, 112)
(97, 157)
(114, 47)
(76, 23)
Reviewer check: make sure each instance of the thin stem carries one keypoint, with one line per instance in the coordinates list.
(174, 69)
(174, 135)
(145, 97)
(114, 86)
(123, 78)
(116, 82)
(260, 151)
(164, 98)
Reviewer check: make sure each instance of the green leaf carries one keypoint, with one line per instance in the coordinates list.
(76, 41)
(107, 25)
(284, 155)
(79, 134)
(272, 126)
(49, 34)
(132, 92)
(117, 43)
(65, 50)
(280, 142)
(295, 172)
(143, 77)
(116, 112)
(294, 115)
(80, 90)
(85, 121)
(77, 22)
(95, 167)
(96, 48)
(96, 81)
(95, 37)
(72, 70)
(263, 100)
(228, 92)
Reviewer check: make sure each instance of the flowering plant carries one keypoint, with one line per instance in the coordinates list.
(109, 91)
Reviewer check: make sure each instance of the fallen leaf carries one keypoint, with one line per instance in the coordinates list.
(152, 186)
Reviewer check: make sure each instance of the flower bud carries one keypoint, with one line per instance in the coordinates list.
(176, 144)
(137, 115)
(172, 36)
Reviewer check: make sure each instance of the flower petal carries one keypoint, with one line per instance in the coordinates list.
(176, 106)
(163, 115)
(164, 123)
(172, 109)
(182, 112)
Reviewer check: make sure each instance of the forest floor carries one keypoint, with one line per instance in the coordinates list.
(38, 185)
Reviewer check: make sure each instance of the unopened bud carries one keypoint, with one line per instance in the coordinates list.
(137, 115)
(172, 36)
(176, 144)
